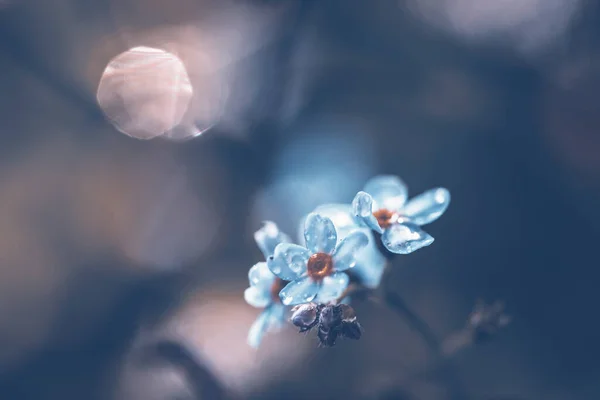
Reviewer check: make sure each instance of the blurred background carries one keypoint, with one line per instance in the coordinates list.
(142, 143)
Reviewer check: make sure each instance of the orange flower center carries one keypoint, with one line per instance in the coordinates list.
(385, 217)
(276, 287)
(319, 266)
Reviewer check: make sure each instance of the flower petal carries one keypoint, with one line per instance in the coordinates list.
(278, 316)
(256, 297)
(405, 238)
(427, 207)
(345, 254)
(362, 207)
(388, 191)
(370, 263)
(341, 215)
(288, 261)
(302, 290)
(261, 276)
(268, 237)
(332, 287)
(259, 328)
(320, 234)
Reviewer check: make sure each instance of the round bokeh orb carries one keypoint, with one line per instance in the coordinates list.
(145, 92)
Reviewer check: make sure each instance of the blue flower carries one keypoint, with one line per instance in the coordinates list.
(316, 271)
(370, 263)
(264, 286)
(382, 207)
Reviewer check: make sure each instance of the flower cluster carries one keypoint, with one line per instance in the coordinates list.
(339, 243)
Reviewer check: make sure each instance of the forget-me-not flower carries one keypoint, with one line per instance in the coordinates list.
(370, 263)
(265, 286)
(316, 271)
(382, 207)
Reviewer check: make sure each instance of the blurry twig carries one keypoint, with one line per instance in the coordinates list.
(396, 303)
(456, 391)
(360, 293)
(483, 323)
(204, 384)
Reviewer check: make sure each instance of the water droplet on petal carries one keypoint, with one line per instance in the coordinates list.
(299, 291)
(405, 238)
(320, 234)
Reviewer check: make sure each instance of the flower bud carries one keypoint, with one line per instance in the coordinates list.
(351, 330)
(331, 317)
(348, 313)
(305, 316)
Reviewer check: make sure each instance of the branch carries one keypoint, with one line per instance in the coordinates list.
(456, 391)
(202, 381)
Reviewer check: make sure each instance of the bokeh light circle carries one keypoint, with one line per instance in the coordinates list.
(145, 92)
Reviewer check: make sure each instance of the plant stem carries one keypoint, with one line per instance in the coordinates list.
(202, 381)
(400, 307)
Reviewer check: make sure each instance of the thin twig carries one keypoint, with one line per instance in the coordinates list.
(440, 350)
(357, 292)
(397, 304)
(202, 381)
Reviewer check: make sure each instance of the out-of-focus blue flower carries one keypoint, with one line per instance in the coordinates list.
(316, 271)
(264, 293)
(382, 207)
(268, 237)
(370, 263)
(265, 286)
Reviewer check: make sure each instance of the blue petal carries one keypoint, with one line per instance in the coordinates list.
(370, 263)
(289, 261)
(320, 234)
(257, 298)
(277, 316)
(341, 215)
(332, 287)
(362, 206)
(428, 206)
(261, 276)
(300, 291)
(259, 328)
(268, 237)
(405, 238)
(388, 191)
(345, 254)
